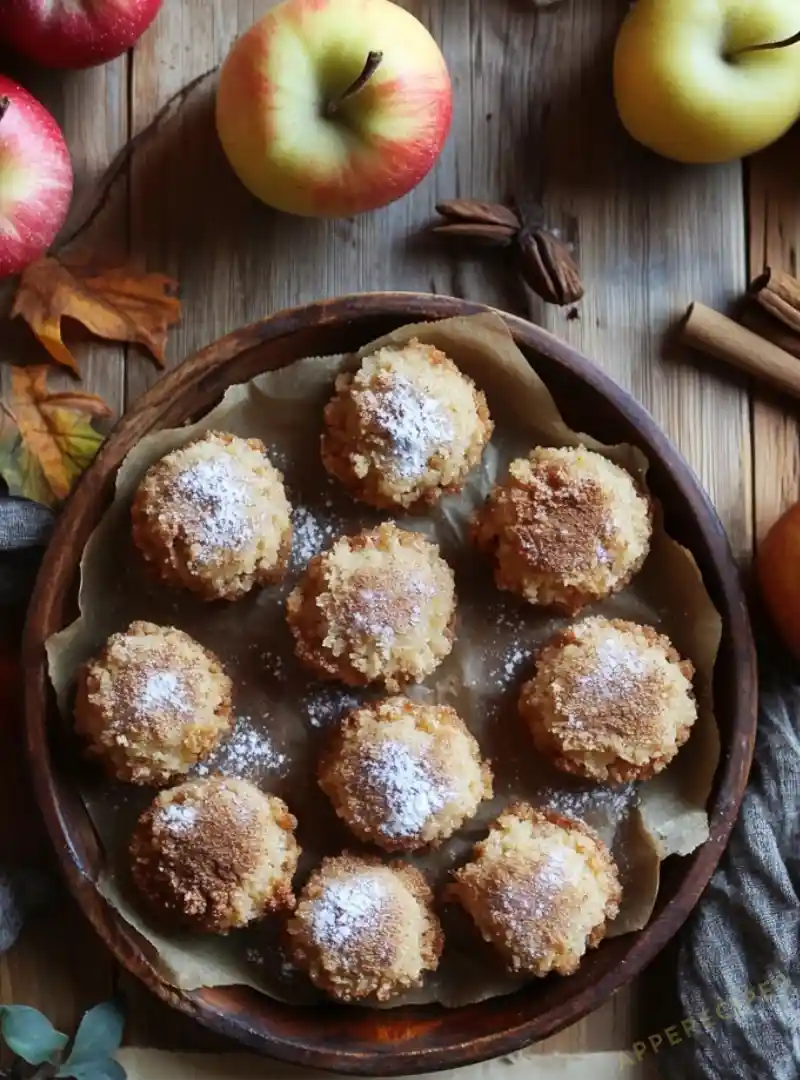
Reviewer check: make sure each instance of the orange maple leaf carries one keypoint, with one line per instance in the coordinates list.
(48, 440)
(119, 303)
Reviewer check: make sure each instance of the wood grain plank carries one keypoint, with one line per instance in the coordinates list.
(59, 965)
(774, 230)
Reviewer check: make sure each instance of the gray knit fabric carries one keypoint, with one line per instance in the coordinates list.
(24, 529)
(739, 958)
(23, 524)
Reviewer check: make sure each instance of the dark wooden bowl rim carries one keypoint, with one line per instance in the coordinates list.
(409, 1040)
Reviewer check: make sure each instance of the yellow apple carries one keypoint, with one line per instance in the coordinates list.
(329, 108)
(691, 84)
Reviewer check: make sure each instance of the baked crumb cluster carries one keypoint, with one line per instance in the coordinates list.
(215, 854)
(213, 517)
(376, 607)
(365, 929)
(404, 775)
(608, 700)
(405, 428)
(152, 704)
(567, 527)
(541, 888)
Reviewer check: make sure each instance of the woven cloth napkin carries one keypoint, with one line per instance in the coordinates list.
(24, 530)
(738, 971)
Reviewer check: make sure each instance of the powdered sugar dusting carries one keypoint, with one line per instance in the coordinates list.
(613, 673)
(608, 802)
(349, 908)
(274, 665)
(380, 613)
(507, 652)
(246, 753)
(224, 505)
(508, 666)
(328, 705)
(310, 535)
(178, 818)
(159, 691)
(402, 789)
(527, 900)
(414, 424)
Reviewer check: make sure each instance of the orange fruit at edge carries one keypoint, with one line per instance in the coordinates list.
(778, 574)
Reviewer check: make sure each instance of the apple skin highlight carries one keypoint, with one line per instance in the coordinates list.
(687, 87)
(35, 179)
(65, 34)
(275, 85)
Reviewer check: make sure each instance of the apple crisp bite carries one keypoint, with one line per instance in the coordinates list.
(541, 889)
(375, 607)
(405, 428)
(565, 528)
(214, 855)
(364, 929)
(152, 704)
(610, 701)
(213, 517)
(403, 775)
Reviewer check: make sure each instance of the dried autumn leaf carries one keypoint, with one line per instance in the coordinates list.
(22, 472)
(46, 439)
(120, 304)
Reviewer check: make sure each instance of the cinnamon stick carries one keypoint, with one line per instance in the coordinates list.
(766, 326)
(779, 294)
(726, 340)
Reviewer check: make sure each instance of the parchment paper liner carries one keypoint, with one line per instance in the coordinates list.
(496, 637)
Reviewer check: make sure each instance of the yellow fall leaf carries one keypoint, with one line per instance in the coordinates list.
(46, 439)
(120, 304)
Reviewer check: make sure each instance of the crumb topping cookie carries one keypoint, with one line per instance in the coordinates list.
(376, 607)
(541, 889)
(567, 527)
(365, 930)
(152, 704)
(610, 700)
(215, 854)
(213, 517)
(407, 427)
(403, 775)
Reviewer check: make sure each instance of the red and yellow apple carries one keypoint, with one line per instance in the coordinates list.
(35, 178)
(74, 33)
(694, 82)
(778, 573)
(330, 108)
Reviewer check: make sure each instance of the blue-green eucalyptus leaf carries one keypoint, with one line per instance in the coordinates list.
(99, 1035)
(30, 1035)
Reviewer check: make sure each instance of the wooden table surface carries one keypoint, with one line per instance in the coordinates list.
(533, 116)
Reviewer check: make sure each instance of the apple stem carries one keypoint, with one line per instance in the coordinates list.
(5, 102)
(372, 64)
(794, 40)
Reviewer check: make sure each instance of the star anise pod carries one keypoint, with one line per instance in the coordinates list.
(544, 262)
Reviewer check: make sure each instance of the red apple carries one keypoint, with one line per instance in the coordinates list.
(35, 178)
(74, 33)
(329, 108)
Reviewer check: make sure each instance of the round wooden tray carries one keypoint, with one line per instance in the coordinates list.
(408, 1040)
